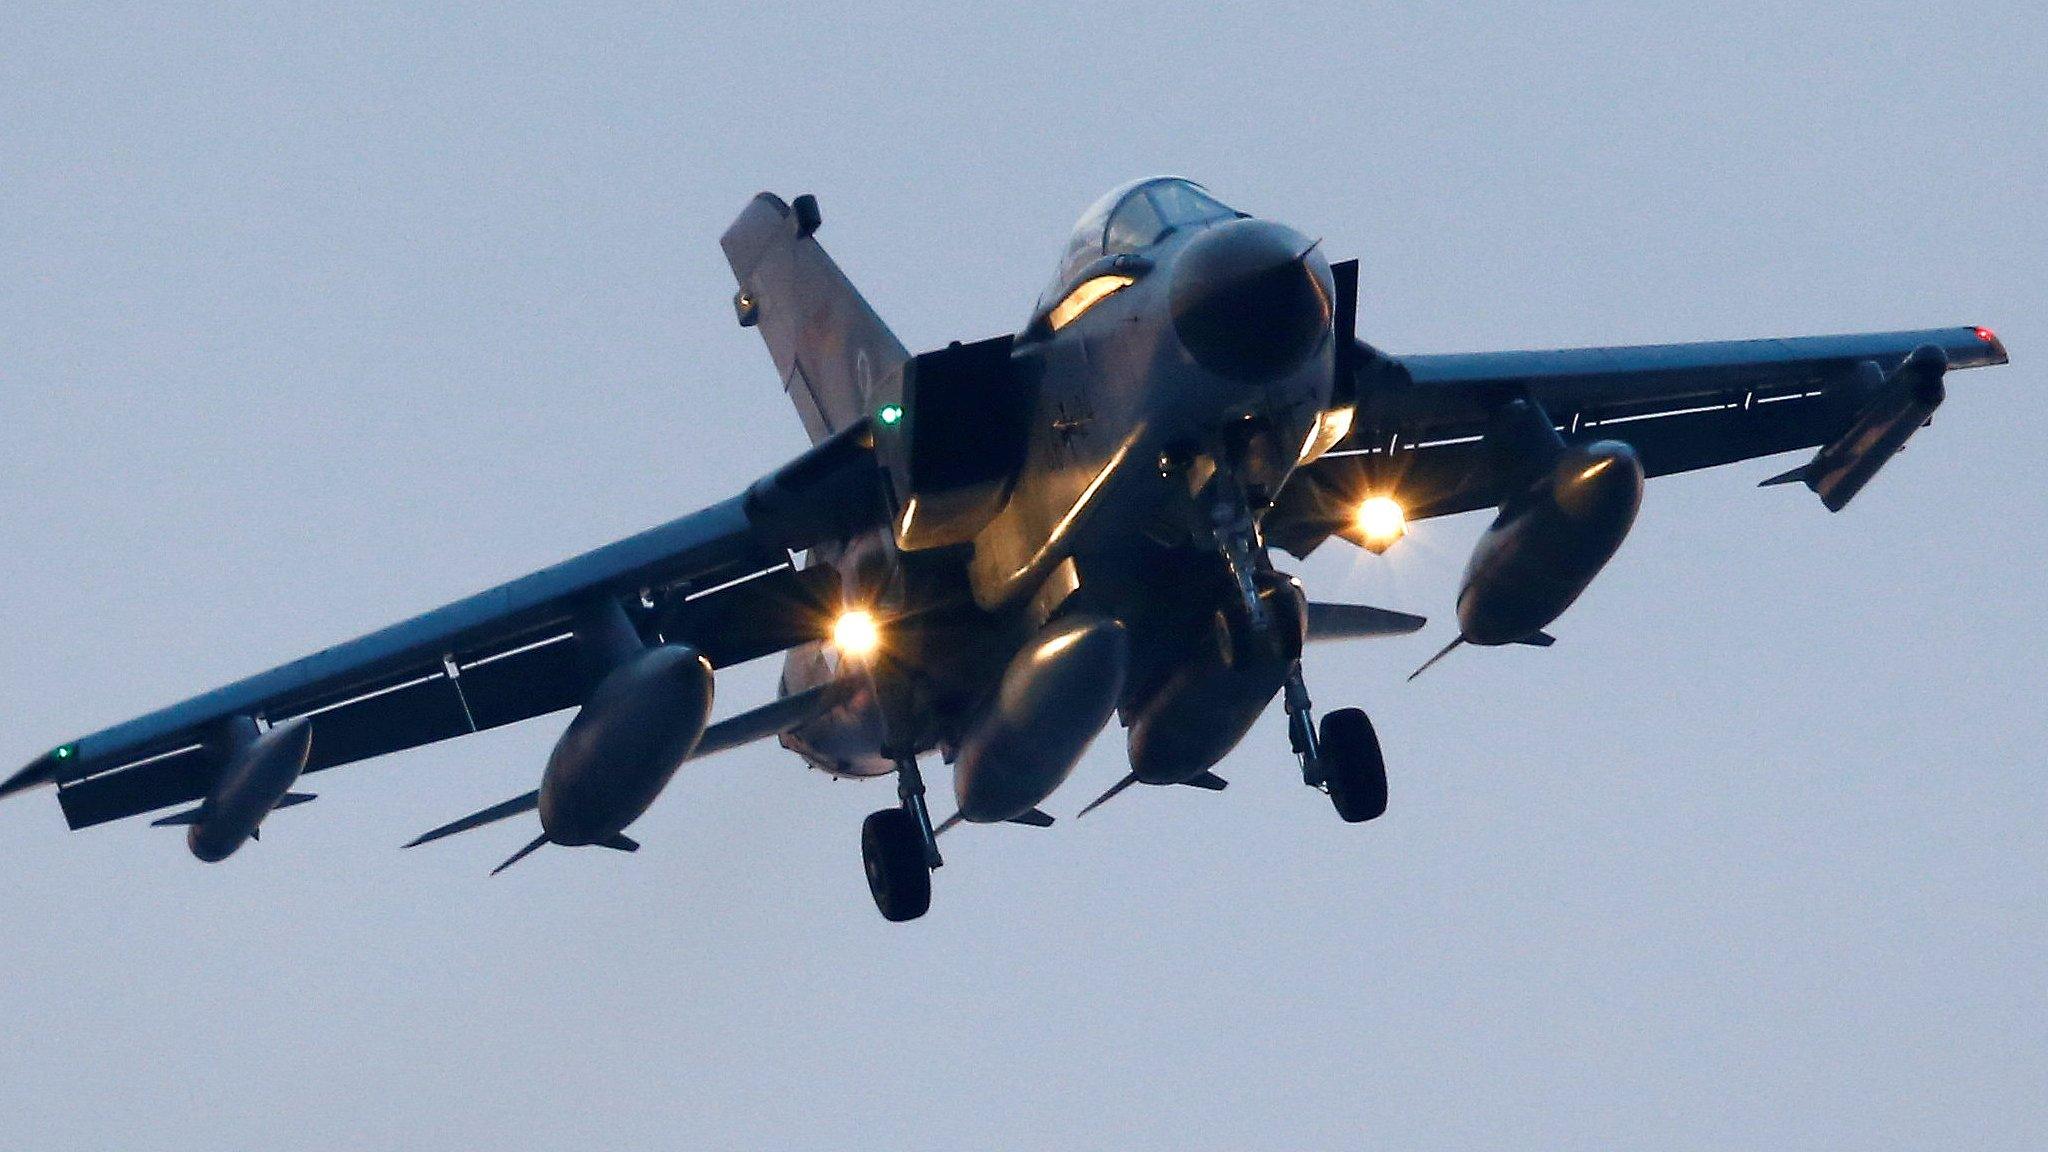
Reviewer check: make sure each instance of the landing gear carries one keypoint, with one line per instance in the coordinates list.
(892, 850)
(1354, 772)
(1343, 758)
(899, 849)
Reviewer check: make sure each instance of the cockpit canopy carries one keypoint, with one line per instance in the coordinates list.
(1137, 215)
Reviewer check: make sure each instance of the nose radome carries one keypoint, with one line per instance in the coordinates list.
(1250, 299)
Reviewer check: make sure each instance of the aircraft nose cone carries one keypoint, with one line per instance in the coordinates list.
(1250, 299)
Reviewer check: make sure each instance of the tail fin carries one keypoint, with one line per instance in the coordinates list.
(828, 344)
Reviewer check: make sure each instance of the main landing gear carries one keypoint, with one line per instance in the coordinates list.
(1342, 758)
(899, 849)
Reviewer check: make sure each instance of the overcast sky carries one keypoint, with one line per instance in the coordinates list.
(308, 323)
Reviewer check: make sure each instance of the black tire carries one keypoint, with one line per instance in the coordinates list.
(1353, 769)
(892, 851)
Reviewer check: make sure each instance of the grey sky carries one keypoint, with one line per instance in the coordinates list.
(309, 323)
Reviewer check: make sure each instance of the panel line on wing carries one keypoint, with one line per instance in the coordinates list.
(508, 653)
(738, 580)
(182, 750)
(371, 695)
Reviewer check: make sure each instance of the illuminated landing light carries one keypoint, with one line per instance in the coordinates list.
(1596, 468)
(1381, 522)
(856, 634)
(1085, 296)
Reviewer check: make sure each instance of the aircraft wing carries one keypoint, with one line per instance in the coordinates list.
(721, 580)
(1420, 419)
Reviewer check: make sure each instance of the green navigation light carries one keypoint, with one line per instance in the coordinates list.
(66, 752)
(891, 414)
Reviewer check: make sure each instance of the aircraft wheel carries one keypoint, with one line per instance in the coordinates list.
(1353, 769)
(892, 850)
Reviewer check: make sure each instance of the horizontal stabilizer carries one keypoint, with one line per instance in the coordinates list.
(1208, 782)
(292, 800)
(1032, 819)
(491, 815)
(188, 816)
(1355, 621)
(620, 843)
(1538, 640)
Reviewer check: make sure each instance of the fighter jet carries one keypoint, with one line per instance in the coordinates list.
(993, 548)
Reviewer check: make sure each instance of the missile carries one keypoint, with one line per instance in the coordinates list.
(1548, 543)
(1900, 403)
(638, 727)
(1055, 696)
(256, 780)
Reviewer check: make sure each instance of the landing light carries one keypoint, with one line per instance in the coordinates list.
(1381, 522)
(856, 634)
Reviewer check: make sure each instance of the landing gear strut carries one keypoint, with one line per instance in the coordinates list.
(1343, 758)
(899, 849)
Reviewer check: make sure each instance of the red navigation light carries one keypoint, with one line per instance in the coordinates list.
(1986, 335)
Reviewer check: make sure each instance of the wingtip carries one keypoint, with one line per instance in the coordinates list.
(34, 776)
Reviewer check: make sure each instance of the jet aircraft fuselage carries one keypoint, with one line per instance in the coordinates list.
(1178, 367)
